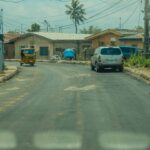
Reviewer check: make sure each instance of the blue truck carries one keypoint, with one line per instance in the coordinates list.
(69, 54)
(128, 51)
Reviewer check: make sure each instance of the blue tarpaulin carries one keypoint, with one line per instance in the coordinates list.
(69, 53)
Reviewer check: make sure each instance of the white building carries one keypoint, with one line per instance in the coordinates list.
(47, 44)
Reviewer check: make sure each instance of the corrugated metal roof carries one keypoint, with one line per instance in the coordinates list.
(103, 33)
(61, 36)
(10, 36)
(132, 37)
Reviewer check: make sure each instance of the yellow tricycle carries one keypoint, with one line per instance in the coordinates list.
(28, 56)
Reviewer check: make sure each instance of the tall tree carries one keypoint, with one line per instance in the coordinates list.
(34, 28)
(90, 30)
(76, 12)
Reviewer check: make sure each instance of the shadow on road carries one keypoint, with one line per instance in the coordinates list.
(110, 71)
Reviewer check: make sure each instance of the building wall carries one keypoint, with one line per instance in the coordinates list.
(137, 43)
(62, 45)
(9, 50)
(54, 47)
(106, 39)
(35, 41)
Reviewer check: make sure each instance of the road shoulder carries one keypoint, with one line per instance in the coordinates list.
(143, 73)
(8, 73)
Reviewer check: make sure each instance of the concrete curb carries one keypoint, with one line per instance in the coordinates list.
(55, 61)
(18, 60)
(74, 62)
(9, 75)
(137, 75)
(12, 60)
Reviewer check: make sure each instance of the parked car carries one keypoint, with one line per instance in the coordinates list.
(107, 57)
(128, 51)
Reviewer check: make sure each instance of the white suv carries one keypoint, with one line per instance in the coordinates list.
(107, 57)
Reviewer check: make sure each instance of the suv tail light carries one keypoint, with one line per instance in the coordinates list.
(123, 58)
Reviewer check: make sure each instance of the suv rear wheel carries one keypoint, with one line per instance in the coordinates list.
(121, 68)
(97, 68)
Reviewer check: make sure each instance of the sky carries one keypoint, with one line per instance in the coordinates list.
(101, 13)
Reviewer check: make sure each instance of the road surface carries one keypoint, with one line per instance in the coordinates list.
(69, 107)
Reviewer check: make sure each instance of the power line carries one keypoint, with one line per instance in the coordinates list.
(92, 18)
(108, 14)
(130, 16)
(102, 11)
(140, 12)
(9, 1)
(113, 12)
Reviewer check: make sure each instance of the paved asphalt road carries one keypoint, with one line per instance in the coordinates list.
(69, 107)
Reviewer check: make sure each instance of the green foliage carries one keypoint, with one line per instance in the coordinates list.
(90, 30)
(139, 27)
(76, 12)
(147, 63)
(13, 32)
(138, 61)
(34, 28)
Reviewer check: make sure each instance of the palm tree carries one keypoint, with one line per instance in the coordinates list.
(76, 13)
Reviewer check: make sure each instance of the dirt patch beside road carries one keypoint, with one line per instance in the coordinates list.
(8, 73)
(139, 72)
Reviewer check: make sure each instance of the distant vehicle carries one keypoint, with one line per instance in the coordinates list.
(107, 57)
(69, 54)
(28, 56)
(128, 51)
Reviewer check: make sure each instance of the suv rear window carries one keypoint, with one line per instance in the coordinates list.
(110, 51)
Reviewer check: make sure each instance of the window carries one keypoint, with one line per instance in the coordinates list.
(110, 51)
(44, 51)
(101, 43)
(31, 46)
(113, 43)
(23, 46)
(59, 49)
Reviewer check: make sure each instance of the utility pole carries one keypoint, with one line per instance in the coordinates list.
(60, 29)
(21, 28)
(1, 42)
(146, 27)
(47, 24)
(120, 23)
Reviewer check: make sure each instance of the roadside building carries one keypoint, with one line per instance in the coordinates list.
(9, 45)
(133, 40)
(104, 38)
(109, 37)
(47, 44)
